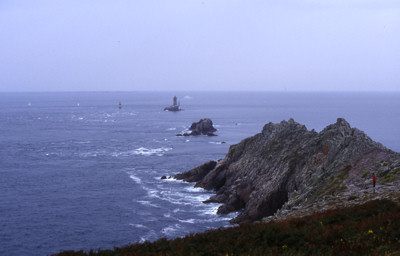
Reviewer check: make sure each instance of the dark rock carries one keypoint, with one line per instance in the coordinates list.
(202, 127)
(164, 177)
(288, 165)
(197, 173)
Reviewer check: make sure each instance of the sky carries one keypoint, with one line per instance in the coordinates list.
(199, 45)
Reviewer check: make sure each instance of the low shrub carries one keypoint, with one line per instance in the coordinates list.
(369, 229)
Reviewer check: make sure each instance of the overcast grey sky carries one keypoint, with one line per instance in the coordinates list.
(293, 45)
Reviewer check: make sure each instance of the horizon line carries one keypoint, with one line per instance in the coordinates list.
(212, 91)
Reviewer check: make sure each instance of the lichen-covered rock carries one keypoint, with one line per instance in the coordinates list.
(288, 166)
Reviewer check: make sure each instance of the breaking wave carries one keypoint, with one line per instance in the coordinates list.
(149, 152)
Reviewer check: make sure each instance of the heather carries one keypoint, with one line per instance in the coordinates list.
(372, 228)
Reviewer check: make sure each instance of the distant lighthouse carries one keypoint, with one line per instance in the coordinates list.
(175, 105)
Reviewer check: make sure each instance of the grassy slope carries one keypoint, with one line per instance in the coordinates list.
(369, 229)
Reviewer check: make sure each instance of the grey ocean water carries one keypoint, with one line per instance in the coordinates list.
(79, 173)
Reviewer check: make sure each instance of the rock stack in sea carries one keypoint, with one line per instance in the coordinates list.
(287, 170)
(202, 127)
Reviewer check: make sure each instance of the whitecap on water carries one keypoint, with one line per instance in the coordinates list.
(188, 221)
(82, 142)
(153, 193)
(148, 152)
(148, 236)
(135, 179)
(148, 203)
(212, 210)
(215, 142)
(92, 153)
(137, 225)
(170, 229)
(194, 189)
(142, 151)
(178, 198)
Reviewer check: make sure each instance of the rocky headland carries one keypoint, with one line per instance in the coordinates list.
(202, 127)
(287, 171)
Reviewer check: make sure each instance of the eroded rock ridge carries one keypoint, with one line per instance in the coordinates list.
(288, 166)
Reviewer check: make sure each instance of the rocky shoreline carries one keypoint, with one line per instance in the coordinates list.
(287, 171)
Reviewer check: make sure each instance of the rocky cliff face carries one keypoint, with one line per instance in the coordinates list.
(288, 167)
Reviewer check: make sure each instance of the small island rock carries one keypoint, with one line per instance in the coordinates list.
(202, 127)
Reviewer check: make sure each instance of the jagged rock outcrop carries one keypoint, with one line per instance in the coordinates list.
(202, 127)
(288, 166)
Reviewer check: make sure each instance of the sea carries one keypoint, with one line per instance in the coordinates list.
(78, 173)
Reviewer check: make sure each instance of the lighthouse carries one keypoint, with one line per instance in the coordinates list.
(175, 105)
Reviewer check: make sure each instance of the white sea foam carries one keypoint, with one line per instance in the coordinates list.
(171, 129)
(178, 198)
(135, 179)
(188, 221)
(148, 203)
(83, 142)
(167, 179)
(137, 225)
(187, 97)
(91, 154)
(153, 193)
(212, 210)
(194, 189)
(148, 236)
(148, 152)
(143, 152)
(170, 229)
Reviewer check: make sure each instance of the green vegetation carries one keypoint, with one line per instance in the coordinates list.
(366, 174)
(336, 184)
(389, 178)
(369, 229)
(352, 198)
